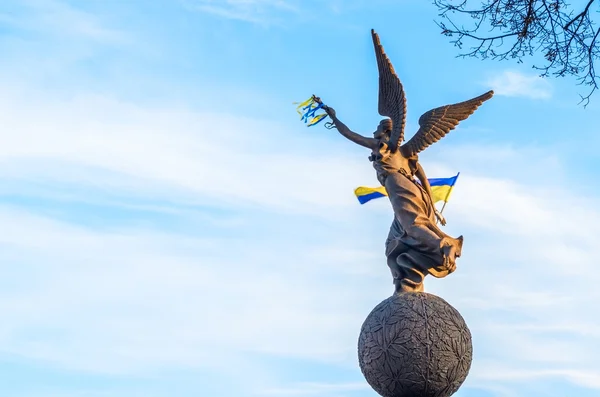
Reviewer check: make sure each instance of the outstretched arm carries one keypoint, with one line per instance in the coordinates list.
(370, 143)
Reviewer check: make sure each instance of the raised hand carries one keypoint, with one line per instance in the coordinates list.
(329, 110)
(440, 218)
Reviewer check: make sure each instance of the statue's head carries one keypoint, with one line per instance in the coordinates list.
(384, 127)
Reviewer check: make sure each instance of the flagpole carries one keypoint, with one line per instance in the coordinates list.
(443, 206)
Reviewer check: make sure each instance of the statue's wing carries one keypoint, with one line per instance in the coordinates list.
(436, 123)
(392, 102)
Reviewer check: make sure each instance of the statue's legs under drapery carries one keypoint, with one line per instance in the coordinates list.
(413, 247)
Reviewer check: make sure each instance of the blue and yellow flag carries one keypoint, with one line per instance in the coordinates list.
(308, 111)
(440, 190)
(442, 187)
(365, 194)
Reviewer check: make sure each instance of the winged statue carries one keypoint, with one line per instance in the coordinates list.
(416, 246)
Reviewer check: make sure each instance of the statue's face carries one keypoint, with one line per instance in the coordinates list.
(384, 127)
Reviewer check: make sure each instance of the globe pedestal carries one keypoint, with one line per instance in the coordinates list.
(415, 344)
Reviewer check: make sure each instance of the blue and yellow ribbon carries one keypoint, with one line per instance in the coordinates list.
(308, 111)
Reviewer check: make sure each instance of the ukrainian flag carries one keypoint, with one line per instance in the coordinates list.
(365, 194)
(440, 190)
(442, 187)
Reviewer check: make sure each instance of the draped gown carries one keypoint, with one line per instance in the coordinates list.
(414, 244)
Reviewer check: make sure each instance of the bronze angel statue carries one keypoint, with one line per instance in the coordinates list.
(415, 246)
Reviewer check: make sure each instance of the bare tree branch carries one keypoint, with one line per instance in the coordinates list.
(567, 41)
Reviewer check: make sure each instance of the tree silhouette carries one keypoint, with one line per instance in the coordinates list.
(565, 35)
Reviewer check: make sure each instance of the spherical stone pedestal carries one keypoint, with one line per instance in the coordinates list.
(415, 344)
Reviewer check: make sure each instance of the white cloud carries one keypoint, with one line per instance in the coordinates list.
(169, 151)
(256, 11)
(516, 84)
(300, 265)
(310, 389)
(274, 12)
(57, 18)
(155, 284)
(132, 299)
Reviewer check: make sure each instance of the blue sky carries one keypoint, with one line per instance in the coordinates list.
(170, 228)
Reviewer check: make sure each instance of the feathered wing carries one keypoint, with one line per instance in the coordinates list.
(436, 123)
(392, 101)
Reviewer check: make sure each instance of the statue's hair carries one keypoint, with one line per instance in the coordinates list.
(386, 121)
(387, 125)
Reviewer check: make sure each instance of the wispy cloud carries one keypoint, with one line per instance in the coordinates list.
(204, 252)
(98, 290)
(256, 11)
(89, 145)
(188, 154)
(58, 18)
(310, 389)
(516, 84)
(139, 152)
(269, 12)
(107, 302)
(582, 377)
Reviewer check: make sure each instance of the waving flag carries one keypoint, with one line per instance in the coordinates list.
(440, 190)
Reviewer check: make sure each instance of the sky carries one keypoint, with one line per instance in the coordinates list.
(171, 228)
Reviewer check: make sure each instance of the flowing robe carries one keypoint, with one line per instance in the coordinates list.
(414, 243)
